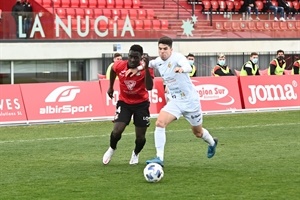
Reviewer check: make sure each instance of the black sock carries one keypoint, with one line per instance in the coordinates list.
(139, 145)
(114, 138)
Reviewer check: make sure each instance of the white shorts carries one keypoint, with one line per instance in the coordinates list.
(190, 110)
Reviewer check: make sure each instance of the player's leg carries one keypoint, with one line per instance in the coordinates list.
(141, 119)
(167, 114)
(196, 119)
(121, 120)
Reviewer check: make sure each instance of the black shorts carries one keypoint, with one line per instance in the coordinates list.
(140, 113)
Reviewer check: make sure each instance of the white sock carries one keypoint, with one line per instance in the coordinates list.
(160, 141)
(207, 137)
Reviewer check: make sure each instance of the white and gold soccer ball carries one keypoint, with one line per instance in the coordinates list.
(153, 172)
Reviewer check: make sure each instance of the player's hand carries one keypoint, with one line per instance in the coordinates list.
(145, 61)
(178, 70)
(131, 72)
(110, 92)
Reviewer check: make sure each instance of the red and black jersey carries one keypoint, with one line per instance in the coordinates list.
(132, 89)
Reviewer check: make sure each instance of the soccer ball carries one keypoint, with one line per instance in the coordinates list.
(153, 172)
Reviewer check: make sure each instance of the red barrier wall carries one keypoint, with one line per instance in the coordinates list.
(81, 100)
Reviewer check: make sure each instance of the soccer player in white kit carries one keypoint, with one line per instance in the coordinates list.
(174, 68)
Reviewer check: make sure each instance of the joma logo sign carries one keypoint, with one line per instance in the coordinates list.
(272, 92)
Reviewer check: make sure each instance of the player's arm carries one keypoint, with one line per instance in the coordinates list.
(184, 66)
(112, 78)
(148, 76)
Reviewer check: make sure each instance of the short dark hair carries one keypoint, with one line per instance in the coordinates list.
(137, 48)
(253, 54)
(190, 55)
(279, 51)
(166, 40)
(117, 55)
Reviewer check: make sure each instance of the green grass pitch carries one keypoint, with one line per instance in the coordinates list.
(258, 157)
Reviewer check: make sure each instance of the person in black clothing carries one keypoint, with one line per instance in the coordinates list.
(221, 69)
(27, 17)
(275, 9)
(17, 11)
(248, 6)
(287, 9)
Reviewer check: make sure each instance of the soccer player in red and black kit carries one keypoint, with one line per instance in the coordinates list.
(133, 101)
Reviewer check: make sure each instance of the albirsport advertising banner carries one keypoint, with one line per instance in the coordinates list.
(156, 96)
(218, 93)
(270, 91)
(11, 104)
(62, 100)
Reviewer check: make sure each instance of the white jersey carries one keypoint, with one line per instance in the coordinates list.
(180, 86)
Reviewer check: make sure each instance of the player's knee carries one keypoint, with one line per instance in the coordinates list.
(160, 123)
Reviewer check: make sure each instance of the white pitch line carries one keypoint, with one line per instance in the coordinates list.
(131, 133)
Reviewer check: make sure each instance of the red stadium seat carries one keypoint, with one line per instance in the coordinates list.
(71, 12)
(251, 25)
(219, 26)
(222, 5)
(243, 26)
(110, 3)
(119, 4)
(227, 25)
(47, 3)
(156, 24)
(80, 12)
(136, 3)
(230, 6)
(206, 5)
(276, 26)
(65, 3)
(115, 13)
(237, 5)
(138, 24)
(101, 3)
(147, 24)
(93, 3)
(260, 26)
(259, 5)
(123, 13)
(133, 13)
(107, 13)
(164, 24)
(275, 3)
(298, 25)
(268, 25)
(263, 72)
(127, 4)
(296, 5)
(83, 3)
(120, 23)
(56, 3)
(102, 25)
(74, 3)
(61, 12)
(89, 12)
(291, 25)
(141, 14)
(214, 5)
(98, 12)
(150, 13)
(283, 26)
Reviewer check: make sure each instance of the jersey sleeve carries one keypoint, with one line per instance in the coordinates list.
(116, 66)
(152, 63)
(184, 63)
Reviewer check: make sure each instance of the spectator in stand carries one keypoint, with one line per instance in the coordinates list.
(248, 6)
(117, 56)
(18, 11)
(28, 15)
(221, 69)
(296, 67)
(287, 8)
(250, 68)
(191, 59)
(277, 65)
(275, 9)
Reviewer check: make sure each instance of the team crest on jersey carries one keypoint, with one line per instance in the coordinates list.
(169, 65)
(130, 84)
